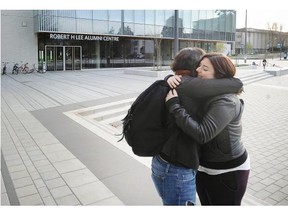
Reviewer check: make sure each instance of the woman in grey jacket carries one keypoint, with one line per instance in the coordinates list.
(224, 164)
(174, 169)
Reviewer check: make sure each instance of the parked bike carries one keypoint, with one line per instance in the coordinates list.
(15, 68)
(4, 70)
(35, 69)
(23, 68)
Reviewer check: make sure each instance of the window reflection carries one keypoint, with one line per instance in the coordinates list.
(128, 16)
(149, 30)
(66, 13)
(169, 13)
(139, 30)
(66, 25)
(186, 17)
(195, 24)
(201, 25)
(100, 27)
(114, 15)
(85, 14)
(160, 17)
(84, 26)
(114, 28)
(100, 14)
(150, 17)
(128, 29)
(139, 16)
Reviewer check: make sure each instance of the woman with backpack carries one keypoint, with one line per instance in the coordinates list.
(224, 164)
(174, 169)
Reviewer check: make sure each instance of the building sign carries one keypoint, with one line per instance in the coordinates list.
(82, 37)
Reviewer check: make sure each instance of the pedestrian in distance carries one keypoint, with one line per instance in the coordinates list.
(224, 164)
(264, 63)
(174, 169)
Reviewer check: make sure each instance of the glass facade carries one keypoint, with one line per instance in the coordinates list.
(125, 38)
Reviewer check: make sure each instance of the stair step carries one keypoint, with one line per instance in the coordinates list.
(249, 81)
(92, 110)
(251, 76)
(109, 112)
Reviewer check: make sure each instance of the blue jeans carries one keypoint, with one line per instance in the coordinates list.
(176, 185)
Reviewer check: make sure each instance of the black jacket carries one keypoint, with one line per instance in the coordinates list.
(219, 130)
(180, 148)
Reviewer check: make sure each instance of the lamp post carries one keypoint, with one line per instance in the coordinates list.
(245, 42)
(176, 33)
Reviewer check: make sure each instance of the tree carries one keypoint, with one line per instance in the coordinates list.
(168, 28)
(282, 38)
(158, 54)
(249, 48)
(272, 35)
(220, 47)
(126, 31)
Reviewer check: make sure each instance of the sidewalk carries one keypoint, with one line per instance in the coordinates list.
(51, 156)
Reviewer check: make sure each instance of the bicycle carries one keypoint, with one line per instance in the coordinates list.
(15, 68)
(35, 69)
(4, 70)
(24, 68)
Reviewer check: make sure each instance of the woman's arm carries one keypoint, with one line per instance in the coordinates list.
(197, 87)
(221, 111)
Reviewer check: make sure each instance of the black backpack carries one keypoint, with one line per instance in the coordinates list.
(144, 126)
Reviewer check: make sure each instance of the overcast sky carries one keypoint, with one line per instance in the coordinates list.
(260, 13)
(260, 18)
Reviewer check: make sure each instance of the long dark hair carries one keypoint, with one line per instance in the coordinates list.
(187, 60)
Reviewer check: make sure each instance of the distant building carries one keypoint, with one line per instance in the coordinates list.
(89, 39)
(260, 41)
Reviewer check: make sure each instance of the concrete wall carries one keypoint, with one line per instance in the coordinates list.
(18, 39)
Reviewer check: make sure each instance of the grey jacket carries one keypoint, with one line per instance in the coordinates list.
(219, 130)
(181, 149)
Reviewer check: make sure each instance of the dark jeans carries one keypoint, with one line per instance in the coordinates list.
(224, 189)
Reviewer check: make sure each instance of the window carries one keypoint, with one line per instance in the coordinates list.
(84, 14)
(114, 15)
(128, 16)
(100, 27)
(66, 13)
(160, 17)
(100, 14)
(84, 26)
(186, 17)
(150, 17)
(139, 16)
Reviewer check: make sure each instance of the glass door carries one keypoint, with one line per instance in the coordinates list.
(57, 61)
(54, 58)
(73, 58)
(77, 58)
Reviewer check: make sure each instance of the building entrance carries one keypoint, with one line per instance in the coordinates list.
(63, 58)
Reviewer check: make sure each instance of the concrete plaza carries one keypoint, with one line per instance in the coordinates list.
(49, 158)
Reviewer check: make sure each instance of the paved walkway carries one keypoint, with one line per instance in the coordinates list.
(49, 159)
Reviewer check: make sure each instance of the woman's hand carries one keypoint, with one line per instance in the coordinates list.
(171, 94)
(174, 81)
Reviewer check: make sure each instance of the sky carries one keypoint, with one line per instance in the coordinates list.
(259, 13)
(259, 19)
